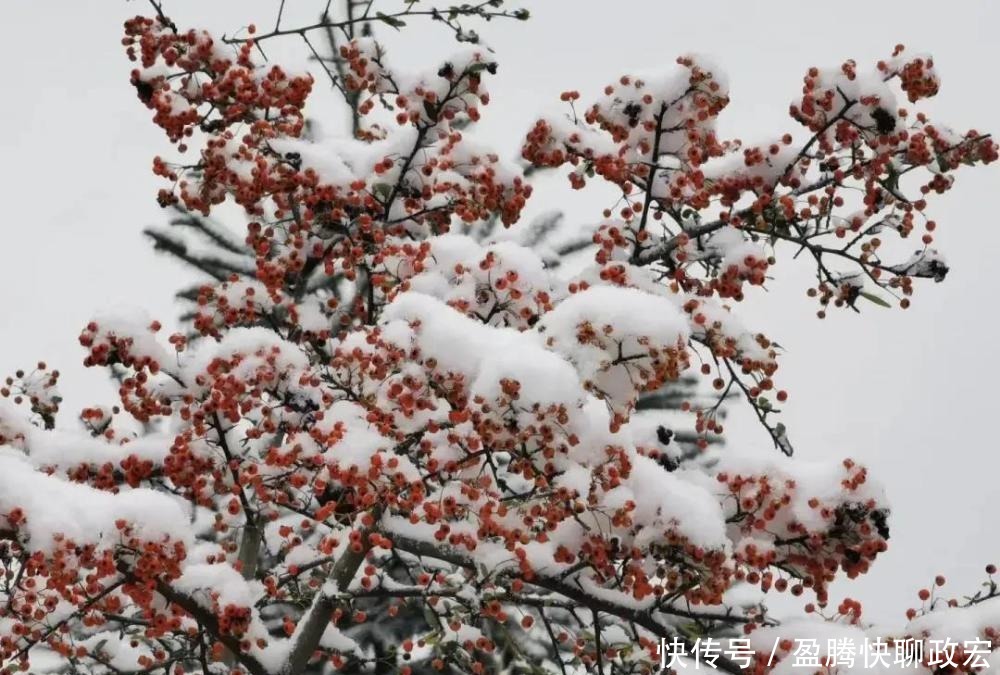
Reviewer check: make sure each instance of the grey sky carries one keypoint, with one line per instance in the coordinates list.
(909, 393)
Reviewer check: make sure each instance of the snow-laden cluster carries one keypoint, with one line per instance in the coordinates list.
(703, 207)
(506, 444)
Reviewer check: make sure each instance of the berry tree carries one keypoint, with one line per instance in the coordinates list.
(389, 422)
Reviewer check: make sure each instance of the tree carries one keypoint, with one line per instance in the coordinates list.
(390, 417)
(213, 248)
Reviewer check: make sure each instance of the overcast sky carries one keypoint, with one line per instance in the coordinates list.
(909, 393)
